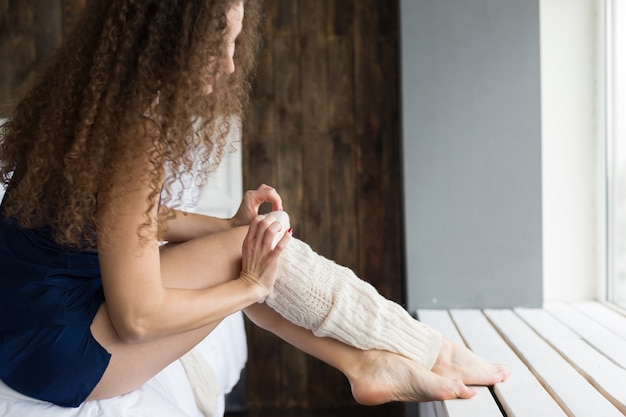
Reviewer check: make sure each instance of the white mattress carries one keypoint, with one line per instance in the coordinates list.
(168, 394)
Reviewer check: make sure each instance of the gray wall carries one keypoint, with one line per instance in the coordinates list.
(472, 152)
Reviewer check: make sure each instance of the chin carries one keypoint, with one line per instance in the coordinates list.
(208, 89)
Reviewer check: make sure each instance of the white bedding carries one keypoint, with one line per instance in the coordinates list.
(168, 394)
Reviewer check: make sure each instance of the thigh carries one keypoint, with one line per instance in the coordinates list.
(132, 364)
(203, 262)
(199, 263)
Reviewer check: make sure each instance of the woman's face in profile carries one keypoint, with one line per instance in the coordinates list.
(225, 64)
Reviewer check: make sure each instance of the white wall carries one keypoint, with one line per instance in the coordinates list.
(471, 128)
(222, 193)
(571, 155)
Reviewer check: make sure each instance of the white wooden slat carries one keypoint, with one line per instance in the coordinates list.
(440, 410)
(482, 404)
(441, 321)
(598, 336)
(522, 395)
(619, 309)
(431, 409)
(606, 376)
(571, 390)
(603, 315)
(426, 410)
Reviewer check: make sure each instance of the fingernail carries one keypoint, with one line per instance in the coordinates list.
(290, 230)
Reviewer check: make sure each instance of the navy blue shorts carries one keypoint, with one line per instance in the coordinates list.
(48, 299)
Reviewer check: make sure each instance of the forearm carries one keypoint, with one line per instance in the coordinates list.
(186, 226)
(174, 310)
(154, 292)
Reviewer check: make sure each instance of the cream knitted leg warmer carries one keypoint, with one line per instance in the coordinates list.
(316, 293)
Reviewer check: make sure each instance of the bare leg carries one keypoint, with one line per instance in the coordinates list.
(132, 365)
(376, 377)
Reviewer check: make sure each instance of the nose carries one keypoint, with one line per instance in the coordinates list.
(228, 64)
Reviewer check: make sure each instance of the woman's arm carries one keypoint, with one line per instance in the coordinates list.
(139, 304)
(186, 226)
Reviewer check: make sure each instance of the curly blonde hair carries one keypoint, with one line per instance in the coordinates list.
(125, 59)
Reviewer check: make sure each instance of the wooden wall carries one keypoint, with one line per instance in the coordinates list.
(324, 131)
(29, 32)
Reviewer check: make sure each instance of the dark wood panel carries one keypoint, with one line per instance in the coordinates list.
(389, 410)
(343, 187)
(30, 30)
(71, 10)
(266, 375)
(334, 73)
(369, 84)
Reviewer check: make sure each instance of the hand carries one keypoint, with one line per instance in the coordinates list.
(259, 260)
(252, 200)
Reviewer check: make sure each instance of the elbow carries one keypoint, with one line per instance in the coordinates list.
(133, 335)
(132, 330)
(135, 322)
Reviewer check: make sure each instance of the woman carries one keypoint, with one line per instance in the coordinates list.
(92, 301)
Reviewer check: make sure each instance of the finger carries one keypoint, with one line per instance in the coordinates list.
(270, 195)
(260, 229)
(282, 243)
(272, 229)
(253, 229)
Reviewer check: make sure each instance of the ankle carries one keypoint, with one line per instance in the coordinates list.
(444, 357)
(361, 364)
(369, 379)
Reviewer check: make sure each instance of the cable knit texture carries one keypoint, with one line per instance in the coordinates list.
(320, 295)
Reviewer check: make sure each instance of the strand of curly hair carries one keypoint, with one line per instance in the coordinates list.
(124, 61)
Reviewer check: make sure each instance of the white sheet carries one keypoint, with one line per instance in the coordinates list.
(168, 394)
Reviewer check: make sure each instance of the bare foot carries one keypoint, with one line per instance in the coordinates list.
(457, 362)
(384, 377)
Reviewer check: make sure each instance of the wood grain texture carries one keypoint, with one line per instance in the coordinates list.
(323, 129)
(30, 30)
